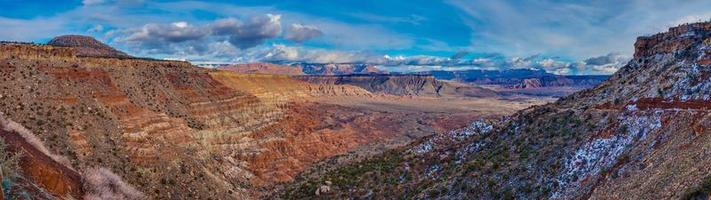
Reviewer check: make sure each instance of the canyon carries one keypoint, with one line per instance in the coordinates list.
(80, 119)
(96, 123)
(322, 100)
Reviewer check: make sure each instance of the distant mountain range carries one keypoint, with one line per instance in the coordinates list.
(520, 78)
(304, 68)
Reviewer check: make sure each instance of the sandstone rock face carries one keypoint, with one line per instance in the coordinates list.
(676, 38)
(530, 83)
(283, 88)
(643, 134)
(87, 46)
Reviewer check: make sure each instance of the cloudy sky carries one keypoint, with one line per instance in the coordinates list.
(563, 37)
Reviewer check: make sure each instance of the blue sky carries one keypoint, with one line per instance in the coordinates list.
(563, 37)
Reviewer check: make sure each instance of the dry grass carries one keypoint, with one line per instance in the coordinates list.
(101, 183)
(11, 126)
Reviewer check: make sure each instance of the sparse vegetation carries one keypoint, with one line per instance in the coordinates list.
(9, 167)
(9, 125)
(370, 172)
(101, 183)
(9, 162)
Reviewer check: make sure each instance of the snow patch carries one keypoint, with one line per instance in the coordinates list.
(602, 153)
(631, 107)
(432, 170)
(423, 148)
(477, 127)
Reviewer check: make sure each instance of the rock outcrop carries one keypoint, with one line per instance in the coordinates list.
(529, 83)
(670, 41)
(87, 46)
(643, 134)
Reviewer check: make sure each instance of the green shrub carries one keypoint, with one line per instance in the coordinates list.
(698, 193)
(9, 162)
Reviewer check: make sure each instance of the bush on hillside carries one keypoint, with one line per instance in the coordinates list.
(101, 183)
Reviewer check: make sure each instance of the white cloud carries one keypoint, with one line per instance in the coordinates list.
(250, 33)
(217, 39)
(301, 33)
(283, 53)
(606, 64)
(340, 35)
(160, 33)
